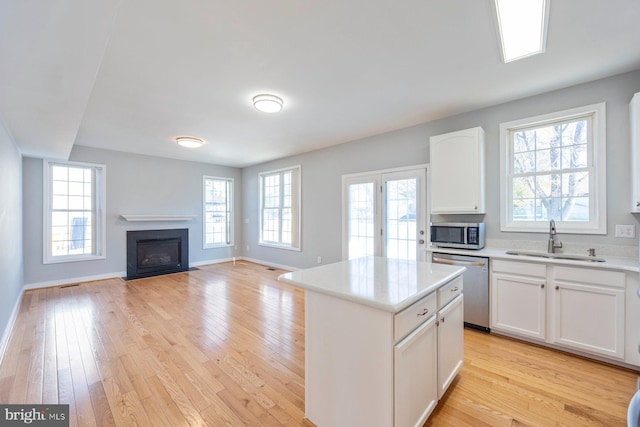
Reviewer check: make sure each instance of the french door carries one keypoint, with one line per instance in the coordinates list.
(384, 214)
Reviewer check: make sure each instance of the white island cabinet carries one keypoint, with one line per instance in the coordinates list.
(372, 340)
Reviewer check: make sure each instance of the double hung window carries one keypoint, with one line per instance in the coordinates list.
(553, 167)
(280, 208)
(74, 218)
(217, 206)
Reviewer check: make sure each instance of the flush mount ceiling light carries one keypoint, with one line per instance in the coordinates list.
(267, 103)
(522, 26)
(189, 142)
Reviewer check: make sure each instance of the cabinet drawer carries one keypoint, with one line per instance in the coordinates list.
(614, 279)
(411, 317)
(449, 291)
(519, 268)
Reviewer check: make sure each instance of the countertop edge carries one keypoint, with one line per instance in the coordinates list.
(392, 308)
(611, 263)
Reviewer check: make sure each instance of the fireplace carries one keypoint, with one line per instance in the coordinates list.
(155, 252)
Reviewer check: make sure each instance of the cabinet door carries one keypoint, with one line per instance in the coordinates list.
(634, 109)
(415, 379)
(450, 343)
(518, 305)
(589, 318)
(457, 172)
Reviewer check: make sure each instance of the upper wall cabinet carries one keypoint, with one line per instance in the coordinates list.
(457, 172)
(634, 108)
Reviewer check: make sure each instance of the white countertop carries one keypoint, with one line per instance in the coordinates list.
(384, 283)
(624, 264)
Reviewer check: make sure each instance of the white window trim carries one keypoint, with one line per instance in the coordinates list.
(598, 225)
(100, 215)
(204, 213)
(298, 192)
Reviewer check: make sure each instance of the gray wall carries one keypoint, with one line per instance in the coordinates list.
(136, 184)
(322, 171)
(11, 278)
(142, 184)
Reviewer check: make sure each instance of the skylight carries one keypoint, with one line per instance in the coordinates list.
(522, 25)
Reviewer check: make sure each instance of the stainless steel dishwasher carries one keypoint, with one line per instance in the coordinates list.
(475, 282)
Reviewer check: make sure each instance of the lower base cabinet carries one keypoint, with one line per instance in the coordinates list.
(450, 343)
(588, 310)
(426, 362)
(579, 309)
(415, 376)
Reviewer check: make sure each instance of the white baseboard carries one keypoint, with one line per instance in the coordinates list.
(269, 264)
(211, 261)
(70, 280)
(7, 331)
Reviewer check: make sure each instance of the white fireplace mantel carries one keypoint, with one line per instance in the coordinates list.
(158, 217)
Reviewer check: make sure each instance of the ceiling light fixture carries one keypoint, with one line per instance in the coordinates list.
(522, 26)
(267, 103)
(189, 142)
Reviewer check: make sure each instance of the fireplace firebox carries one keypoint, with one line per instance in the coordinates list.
(155, 252)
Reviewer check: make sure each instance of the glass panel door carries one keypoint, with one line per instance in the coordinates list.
(384, 215)
(361, 219)
(404, 226)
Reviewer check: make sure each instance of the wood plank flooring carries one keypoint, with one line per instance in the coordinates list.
(224, 346)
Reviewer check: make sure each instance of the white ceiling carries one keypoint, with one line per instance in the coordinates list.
(130, 75)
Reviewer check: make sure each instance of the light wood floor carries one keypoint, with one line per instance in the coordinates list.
(224, 345)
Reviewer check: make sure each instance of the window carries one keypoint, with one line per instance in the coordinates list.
(74, 215)
(280, 208)
(554, 168)
(218, 218)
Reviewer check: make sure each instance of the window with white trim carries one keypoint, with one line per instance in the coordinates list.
(280, 208)
(554, 167)
(217, 212)
(74, 216)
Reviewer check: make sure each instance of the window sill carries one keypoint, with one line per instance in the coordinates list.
(544, 228)
(73, 258)
(277, 246)
(217, 245)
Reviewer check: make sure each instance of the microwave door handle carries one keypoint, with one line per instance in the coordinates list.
(458, 262)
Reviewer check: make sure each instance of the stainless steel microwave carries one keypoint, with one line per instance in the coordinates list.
(463, 235)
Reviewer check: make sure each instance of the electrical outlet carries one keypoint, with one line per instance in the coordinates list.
(319, 260)
(626, 231)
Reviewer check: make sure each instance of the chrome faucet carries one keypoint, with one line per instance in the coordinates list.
(552, 245)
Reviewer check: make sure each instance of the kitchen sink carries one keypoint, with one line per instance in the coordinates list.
(556, 256)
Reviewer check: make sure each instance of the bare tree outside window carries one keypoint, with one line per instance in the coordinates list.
(550, 177)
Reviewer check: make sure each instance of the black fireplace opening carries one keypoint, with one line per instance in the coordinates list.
(155, 252)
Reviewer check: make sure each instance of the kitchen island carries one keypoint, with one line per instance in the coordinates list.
(383, 339)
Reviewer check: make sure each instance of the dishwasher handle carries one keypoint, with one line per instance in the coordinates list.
(458, 262)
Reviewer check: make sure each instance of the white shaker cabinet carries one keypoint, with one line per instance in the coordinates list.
(518, 298)
(573, 308)
(450, 343)
(634, 108)
(588, 310)
(415, 370)
(457, 172)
